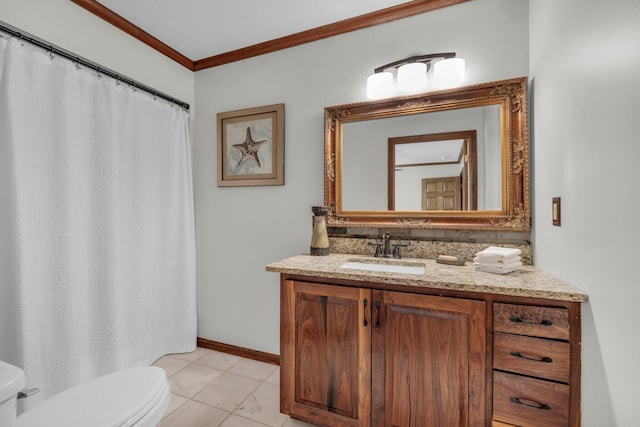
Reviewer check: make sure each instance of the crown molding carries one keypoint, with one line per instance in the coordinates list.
(382, 16)
(136, 32)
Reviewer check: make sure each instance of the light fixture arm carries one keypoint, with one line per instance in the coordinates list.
(427, 59)
(411, 75)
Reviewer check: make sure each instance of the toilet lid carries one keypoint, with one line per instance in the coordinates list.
(119, 399)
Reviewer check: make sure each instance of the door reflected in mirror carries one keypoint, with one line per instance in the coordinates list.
(433, 172)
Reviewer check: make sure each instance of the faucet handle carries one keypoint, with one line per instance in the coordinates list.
(378, 253)
(378, 246)
(396, 249)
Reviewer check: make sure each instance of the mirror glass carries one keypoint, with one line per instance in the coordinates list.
(365, 159)
(456, 158)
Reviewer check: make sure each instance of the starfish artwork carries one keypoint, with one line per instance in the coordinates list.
(249, 149)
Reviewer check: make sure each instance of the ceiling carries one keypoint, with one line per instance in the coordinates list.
(203, 33)
(429, 153)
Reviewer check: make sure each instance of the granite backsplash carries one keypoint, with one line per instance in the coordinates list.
(424, 243)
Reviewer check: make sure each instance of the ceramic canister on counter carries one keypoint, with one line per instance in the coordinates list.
(319, 239)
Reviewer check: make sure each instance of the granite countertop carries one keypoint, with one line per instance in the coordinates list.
(529, 281)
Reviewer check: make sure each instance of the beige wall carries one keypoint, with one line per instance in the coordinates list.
(240, 230)
(585, 63)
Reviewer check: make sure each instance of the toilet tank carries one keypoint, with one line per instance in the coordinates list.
(12, 380)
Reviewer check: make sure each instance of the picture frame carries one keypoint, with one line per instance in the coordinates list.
(251, 146)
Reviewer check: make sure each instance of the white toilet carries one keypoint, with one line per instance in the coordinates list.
(132, 397)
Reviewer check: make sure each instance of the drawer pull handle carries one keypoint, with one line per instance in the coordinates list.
(516, 319)
(530, 403)
(377, 315)
(365, 322)
(543, 359)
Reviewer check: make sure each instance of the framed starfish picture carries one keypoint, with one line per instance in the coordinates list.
(251, 146)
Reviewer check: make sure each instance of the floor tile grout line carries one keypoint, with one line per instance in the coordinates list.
(236, 407)
(275, 367)
(200, 389)
(253, 390)
(245, 399)
(192, 398)
(234, 412)
(229, 413)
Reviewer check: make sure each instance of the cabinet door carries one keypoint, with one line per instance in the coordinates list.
(429, 361)
(325, 354)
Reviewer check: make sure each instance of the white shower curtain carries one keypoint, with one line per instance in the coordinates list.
(97, 240)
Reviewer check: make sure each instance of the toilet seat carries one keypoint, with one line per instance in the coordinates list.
(132, 397)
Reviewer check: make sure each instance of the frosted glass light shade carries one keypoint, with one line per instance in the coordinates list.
(448, 73)
(380, 85)
(412, 77)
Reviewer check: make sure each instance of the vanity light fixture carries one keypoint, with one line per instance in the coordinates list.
(448, 71)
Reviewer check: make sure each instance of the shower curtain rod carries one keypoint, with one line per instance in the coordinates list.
(91, 65)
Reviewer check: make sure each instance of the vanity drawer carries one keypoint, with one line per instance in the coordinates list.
(546, 322)
(537, 357)
(529, 402)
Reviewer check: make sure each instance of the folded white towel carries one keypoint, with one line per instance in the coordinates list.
(493, 251)
(497, 260)
(512, 265)
(502, 269)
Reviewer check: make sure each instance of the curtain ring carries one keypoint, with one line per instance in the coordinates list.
(77, 63)
(51, 53)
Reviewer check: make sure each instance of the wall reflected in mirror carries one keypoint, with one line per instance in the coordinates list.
(438, 160)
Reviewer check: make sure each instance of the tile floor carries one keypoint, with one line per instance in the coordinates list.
(210, 388)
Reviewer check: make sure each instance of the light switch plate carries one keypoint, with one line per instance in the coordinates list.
(555, 212)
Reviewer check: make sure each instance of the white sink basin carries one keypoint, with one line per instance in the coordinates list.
(384, 267)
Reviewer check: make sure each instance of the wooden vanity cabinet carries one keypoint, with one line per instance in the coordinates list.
(325, 354)
(429, 360)
(452, 348)
(536, 365)
(354, 356)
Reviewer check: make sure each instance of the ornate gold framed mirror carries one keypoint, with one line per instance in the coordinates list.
(456, 159)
